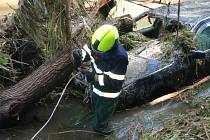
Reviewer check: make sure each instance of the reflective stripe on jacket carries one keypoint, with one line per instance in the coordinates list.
(111, 68)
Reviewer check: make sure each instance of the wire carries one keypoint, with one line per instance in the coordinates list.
(54, 108)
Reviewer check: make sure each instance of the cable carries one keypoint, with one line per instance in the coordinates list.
(54, 108)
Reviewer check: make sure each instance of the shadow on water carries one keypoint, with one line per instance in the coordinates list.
(70, 115)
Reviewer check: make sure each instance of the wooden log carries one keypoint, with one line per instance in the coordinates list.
(174, 94)
(34, 87)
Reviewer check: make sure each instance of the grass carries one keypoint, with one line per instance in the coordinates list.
(180, 47)
(45, 22)
(133, 40)
(38, 23)
(194, 124)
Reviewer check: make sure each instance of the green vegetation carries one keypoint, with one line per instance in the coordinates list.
(194, 124)
(45, 23)
(176, 47)
(133, 40)
(34, 34)
(4, 60)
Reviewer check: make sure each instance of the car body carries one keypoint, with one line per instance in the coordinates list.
(156, 79)
(194, 16)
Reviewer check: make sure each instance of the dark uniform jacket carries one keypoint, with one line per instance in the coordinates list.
(111, 68)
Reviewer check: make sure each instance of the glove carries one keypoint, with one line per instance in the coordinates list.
(207, 56)
(77, 54)
(197, 54)
(89, 75)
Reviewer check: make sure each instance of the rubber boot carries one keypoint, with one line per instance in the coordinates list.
(103, 110)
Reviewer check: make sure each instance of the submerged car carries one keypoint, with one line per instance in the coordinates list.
(194, 16)
(155, 78)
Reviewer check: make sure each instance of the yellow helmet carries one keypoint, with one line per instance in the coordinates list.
(104, 38)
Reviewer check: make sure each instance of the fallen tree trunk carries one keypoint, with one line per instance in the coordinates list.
(43, 80)
(35, 86)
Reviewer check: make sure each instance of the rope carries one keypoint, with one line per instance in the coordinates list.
(35, 135)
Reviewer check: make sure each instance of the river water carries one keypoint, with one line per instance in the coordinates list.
(71, 120)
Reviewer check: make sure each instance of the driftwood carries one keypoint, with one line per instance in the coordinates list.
(174, 94)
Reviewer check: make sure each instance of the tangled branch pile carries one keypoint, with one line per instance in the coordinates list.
(177, 47)
(35, 34)
(193, 124)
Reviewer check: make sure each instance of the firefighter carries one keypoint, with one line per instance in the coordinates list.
(109, 64)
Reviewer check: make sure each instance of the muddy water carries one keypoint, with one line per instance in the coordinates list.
(71, 120)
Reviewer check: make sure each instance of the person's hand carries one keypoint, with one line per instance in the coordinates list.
(77, 54)
(207, 56)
